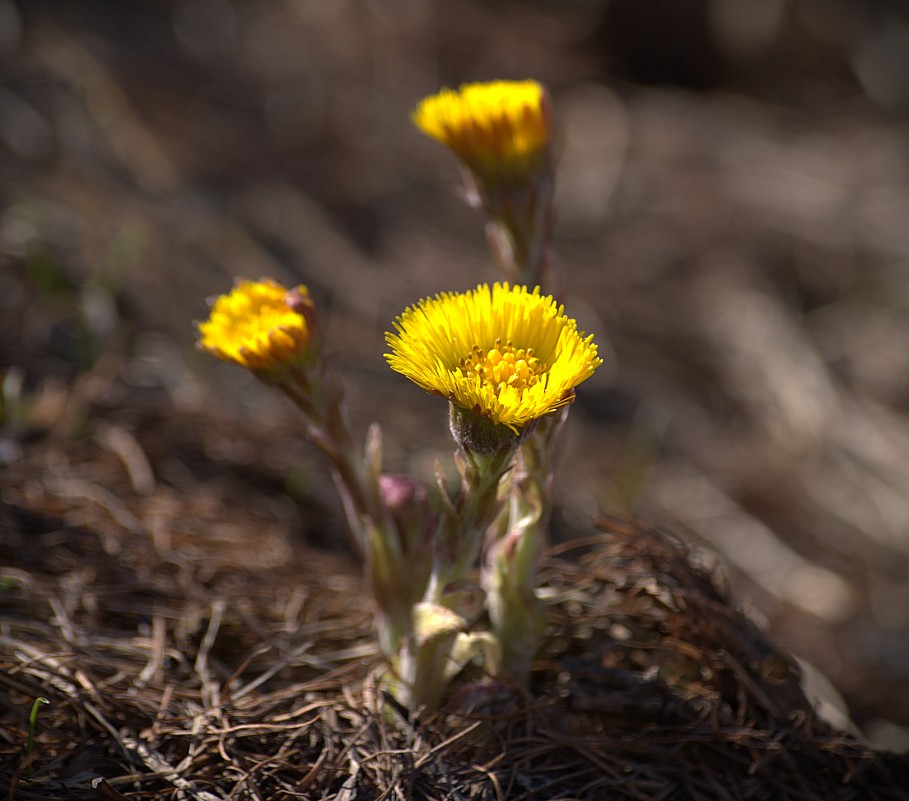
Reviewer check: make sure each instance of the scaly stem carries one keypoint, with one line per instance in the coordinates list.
(509, 573)
(430, 655)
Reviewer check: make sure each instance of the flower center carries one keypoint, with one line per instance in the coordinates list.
(503, 364)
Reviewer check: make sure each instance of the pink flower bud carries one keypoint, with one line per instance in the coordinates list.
(400, 492)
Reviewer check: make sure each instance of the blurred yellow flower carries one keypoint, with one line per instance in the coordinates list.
(506, 353)
(501, 130)
(259, 325)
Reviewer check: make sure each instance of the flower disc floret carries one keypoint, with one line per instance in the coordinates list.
(258, 325)
(500, 129)
(504, 352)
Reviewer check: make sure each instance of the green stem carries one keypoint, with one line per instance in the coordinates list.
(32, 721)
(327, 430)
(522, 221)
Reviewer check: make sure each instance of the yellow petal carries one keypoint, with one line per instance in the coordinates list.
(255, 327)
(501, 130)
(451, 345)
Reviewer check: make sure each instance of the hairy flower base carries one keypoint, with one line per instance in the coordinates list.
(259, 325)
(506, 353)
(498, 129)
(480, 436)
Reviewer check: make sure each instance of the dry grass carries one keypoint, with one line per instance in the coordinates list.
(181, 662)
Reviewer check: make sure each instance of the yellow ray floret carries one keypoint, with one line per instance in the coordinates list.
(504, 352)
(498, 129)
(258, 325)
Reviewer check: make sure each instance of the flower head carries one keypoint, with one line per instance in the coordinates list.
(260, 325)
(506, 353)
(501, 130)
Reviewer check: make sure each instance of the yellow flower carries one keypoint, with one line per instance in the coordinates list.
(500, 130)
(506, 353)
(259, 325)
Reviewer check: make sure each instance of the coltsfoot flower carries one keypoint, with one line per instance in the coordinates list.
(260, 325)
(505, 353)
(501, 130)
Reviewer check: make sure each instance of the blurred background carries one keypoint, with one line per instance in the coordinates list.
(733, 226)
